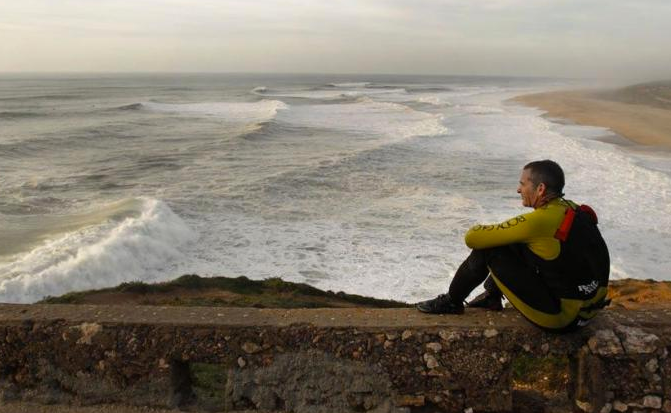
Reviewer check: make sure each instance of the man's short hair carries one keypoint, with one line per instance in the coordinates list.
(549, 173)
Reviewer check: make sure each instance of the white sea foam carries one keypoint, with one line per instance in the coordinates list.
(368, 116)
(239, 112)
(142, 247)
(350, 84)
(324, 94)
(433, 100)
(333, 194)
(478, 109)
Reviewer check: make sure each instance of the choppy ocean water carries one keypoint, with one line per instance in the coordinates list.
(358, 183)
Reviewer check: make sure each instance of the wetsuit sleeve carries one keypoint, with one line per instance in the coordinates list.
(515, 230)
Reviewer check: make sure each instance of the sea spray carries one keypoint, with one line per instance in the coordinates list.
(136, 248)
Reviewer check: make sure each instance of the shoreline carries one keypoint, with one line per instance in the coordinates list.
(640, 123)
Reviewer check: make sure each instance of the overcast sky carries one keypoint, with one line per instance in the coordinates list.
(569, 38)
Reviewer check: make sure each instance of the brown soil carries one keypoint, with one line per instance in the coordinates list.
(640, 294)
(219, 292)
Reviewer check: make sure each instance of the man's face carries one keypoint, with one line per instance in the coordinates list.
(531, 194)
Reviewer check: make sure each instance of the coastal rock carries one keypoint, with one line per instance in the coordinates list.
(637, 341)
(606, 408)
(605, 343)
(667, 406)
(406, 335)
(435, 347)
(241, 362)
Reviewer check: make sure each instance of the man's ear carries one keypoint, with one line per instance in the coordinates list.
(540, 189)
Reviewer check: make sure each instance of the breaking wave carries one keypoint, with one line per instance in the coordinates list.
(138, 244)
(242, 112)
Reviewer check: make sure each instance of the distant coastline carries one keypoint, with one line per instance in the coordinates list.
(640, 113)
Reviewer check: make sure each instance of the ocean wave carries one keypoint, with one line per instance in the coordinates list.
(334, 94)
(381, 86)
(478, 109)
(132, 106)
(433, 100)
(42, 97)
(349, 84)
(259, 90)
(120, 248)
(368, 116)
(242, 112)
(20, 115)
(428, 89)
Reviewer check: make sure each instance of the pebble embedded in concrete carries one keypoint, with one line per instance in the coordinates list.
(251, 348)
(489, 333)
(584, 406)
(652, 365)
(605, 343)
(431, 361)
(653, 402)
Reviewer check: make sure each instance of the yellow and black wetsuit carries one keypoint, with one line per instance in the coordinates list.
(556, 284)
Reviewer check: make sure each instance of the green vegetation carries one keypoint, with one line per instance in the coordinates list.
(656, 94)
(541, 373)
(193, 290)
(208, 385)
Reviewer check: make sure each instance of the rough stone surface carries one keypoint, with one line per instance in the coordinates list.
(251, 359)
(490, 332)
(653, 402)
(409, 400)
(619, 406)
(637, 341)
(584, 406)
(251, 348)
(652, 365)
(605, 343)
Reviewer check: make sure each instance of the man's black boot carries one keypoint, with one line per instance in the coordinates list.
(488, 300)
(442, 304)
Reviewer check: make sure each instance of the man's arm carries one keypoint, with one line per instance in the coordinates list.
(515, 230)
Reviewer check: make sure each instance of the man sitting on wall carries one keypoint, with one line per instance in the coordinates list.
(551, 264)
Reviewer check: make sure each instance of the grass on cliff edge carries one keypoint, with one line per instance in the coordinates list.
(193, 290)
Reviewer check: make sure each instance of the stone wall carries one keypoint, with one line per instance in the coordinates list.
(325, 360)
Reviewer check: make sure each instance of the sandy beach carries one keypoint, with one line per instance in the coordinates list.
(639, 113)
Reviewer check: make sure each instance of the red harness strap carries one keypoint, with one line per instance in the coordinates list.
(562, 232)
